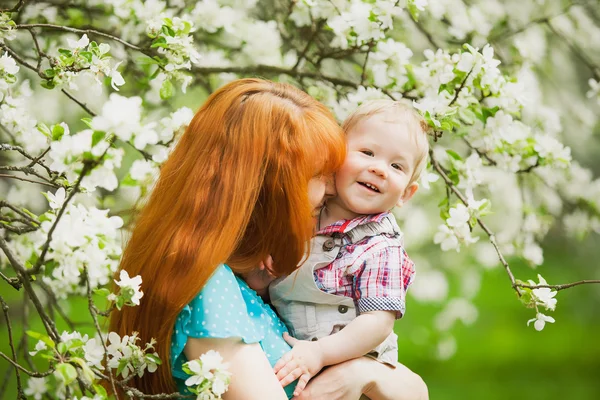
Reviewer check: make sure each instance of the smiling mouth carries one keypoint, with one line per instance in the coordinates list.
(369, 186)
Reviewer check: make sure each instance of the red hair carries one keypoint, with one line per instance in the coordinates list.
(234, 190)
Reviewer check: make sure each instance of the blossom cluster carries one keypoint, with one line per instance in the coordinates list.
(82, 57)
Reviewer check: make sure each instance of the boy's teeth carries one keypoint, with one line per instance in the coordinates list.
(371, 187)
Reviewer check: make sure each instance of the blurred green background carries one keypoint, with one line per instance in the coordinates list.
(497, 357)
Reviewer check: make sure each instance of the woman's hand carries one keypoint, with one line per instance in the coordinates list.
(363, 375)
(339, 382)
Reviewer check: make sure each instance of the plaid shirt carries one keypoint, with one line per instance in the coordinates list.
(375, 271)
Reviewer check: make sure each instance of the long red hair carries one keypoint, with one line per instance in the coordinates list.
(234, 190)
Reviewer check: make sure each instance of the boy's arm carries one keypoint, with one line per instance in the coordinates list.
(307, 358)
(360, 336)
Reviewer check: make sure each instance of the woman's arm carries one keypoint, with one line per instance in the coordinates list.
(252, 376)
(378, 381)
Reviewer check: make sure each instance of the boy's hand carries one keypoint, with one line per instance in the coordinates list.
(304, 361)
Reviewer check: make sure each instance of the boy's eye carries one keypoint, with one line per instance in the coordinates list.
(397, 166)
(367, 152)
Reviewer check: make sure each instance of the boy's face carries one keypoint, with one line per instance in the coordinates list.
(380, 162)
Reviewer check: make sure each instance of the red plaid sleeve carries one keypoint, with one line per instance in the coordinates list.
(381, 276)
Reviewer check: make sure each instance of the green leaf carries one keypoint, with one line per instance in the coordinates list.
(36, 335)
(87, 121)
(122, 364)
(48, 84)
(129, 181)
(50, 72)
(154, 359)
(159, 42)
(65, 52)
(87, 55)
(66, 372)
(85, 369)
(444, 202)
(57, 132)
(166, 90)
(97, 137)
(99, 389)
(62, 348)
(102, 292)
(454, 155)
(413, 10)
(168, 31)
(43, 128)
(120, 303)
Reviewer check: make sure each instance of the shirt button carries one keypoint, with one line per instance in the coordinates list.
(314, 339)
(343, 309)
(328, 245)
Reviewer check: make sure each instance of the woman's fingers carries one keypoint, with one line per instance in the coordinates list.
(289, 339)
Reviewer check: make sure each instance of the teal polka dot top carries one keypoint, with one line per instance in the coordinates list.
(227, 307)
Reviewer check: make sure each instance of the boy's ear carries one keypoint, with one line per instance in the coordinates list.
(409, 192)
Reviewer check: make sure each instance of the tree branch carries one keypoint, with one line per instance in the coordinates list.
(483, 226)
(93, 311)
(22, 274)
(23, 369)
(83, 31)
(270, 70)
(559, 287)
(81, 104)
(12, 347)
(16, 8)
(575, 50)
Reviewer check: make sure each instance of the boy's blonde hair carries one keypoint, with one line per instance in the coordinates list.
(403, 114)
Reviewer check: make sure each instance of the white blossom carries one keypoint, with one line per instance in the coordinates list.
(540, 321)
(36, 388)
(132, 284)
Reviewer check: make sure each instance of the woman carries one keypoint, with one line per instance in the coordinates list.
(244, 181)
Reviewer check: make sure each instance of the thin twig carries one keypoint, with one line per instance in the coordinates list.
(93, 312)
(6, 204)
(12, 347)
(536, 21)
(308, 44)
(83, 31)
(55, 186)
(23, 369)
(40, 261)
(559, 287)
(21, 61)
(575, 50)
(16, 8)
(428, 35)
(34, 160)
(460, 88)
(270, 70)
(483, 226)
(81, 104)
(12, 281)
(22, 274)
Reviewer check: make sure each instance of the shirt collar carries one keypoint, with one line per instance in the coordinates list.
(346, 225)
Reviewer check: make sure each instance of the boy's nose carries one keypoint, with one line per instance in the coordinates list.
(378, 169)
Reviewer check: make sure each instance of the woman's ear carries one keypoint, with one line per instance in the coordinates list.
(409, 192)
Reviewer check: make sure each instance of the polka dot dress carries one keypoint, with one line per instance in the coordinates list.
(227, 307)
